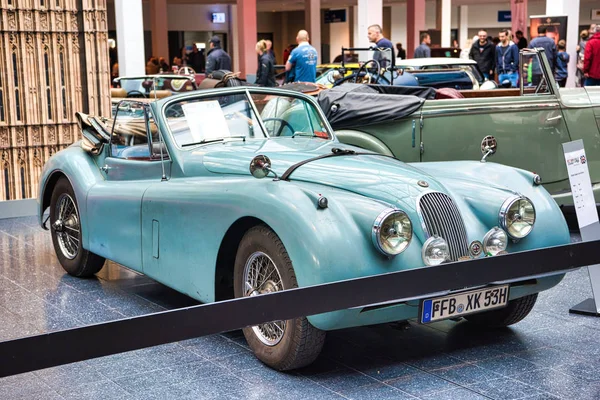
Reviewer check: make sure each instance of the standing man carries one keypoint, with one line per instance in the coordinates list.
(217, 58)
(507, 60)
(484, 53)
(547, 44)
(521, 41)
(303, 60)
(383, 56)
(591, 60)
(400, 52)
(423, 51)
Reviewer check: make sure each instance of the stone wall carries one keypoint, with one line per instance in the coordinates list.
(53, 62)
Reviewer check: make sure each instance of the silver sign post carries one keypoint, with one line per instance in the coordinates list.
(587, 217)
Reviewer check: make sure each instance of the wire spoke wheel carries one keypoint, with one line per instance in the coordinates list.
(261, 276)
(66, 226)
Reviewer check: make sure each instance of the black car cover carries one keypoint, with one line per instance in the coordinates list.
(350, 105)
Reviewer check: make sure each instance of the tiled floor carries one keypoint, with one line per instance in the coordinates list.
(549, 355)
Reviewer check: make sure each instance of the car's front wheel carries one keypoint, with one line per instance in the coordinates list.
(514, 312)
(65, 226)
(262, 265)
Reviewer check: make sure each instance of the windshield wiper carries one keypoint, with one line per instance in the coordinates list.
(305, 134)
(205, 141)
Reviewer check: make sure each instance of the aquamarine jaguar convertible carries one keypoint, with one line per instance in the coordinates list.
(173, 189)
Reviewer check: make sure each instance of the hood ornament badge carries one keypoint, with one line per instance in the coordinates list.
(476, 248)
(423, 183)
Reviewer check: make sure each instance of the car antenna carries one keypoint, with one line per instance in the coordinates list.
(162, 164)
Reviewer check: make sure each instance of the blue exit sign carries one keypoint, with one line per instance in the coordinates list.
(504, 16)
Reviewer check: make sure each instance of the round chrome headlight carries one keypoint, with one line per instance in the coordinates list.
(435, 251)
(494, 241)
(517, 216)
(392, 232)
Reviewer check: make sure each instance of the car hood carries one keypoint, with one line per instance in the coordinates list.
(371, 175)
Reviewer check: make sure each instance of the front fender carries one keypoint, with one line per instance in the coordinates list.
(81, 171)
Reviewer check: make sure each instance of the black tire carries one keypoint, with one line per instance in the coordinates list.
(514, 312)
(81, 263)
(301, 342)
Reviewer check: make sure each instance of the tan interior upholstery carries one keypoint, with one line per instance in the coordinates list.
(118, 92)
(160, 94)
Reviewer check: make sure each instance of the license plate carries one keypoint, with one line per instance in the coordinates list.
(459, 304)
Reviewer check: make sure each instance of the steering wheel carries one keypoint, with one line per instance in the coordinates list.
(135, 94)
(186, 71)
(381, 79)
(364, 67)
(284, 124)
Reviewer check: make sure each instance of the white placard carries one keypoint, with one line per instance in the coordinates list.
(581, 188)
(206, 120)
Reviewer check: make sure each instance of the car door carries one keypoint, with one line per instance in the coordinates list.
(114, 205)
(527, 125)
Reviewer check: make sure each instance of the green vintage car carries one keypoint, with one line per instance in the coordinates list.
(522, 127)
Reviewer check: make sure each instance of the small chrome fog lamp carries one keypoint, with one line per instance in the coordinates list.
(392, 232)
(435, 251)
(517, 216)
(495, 241)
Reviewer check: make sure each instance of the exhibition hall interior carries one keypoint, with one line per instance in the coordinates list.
(307, 199)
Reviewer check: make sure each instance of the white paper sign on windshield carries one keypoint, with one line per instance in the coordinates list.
(206, 120)
(581, 187)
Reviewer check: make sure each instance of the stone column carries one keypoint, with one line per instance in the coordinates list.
(246, 26)
(570, 8)
(446, 15)
(368, 12)
(312, 23)
(463, 25)
(415, 22)
(398, 25)
(130, 37)
(160, 31)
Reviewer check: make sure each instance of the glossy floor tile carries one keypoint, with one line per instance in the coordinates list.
(550, 355)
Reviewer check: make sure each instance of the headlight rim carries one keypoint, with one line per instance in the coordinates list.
(504, 211)
(375, 232)
(426, 244)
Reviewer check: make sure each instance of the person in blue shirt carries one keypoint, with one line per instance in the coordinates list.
(423, 50)
(385, 53)
(562, 64)
(303, 60)
(507, 60)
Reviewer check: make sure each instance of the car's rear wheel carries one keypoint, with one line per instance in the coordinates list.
(262, 265)
(65, 226)
(514, 312)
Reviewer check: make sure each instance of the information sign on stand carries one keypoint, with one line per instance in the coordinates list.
(587, 217)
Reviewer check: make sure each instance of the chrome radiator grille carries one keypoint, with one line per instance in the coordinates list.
(442, 218)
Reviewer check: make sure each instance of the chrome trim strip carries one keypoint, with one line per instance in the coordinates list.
(482, 109)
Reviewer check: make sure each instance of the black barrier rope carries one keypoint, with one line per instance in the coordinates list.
(63, 347)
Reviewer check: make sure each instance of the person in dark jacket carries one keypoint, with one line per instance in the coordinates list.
(507, 60)
(521, 41)
(484, 52)
(547, 44)
(265, 75)
(591, 60)
(217, 58)
(562, 64)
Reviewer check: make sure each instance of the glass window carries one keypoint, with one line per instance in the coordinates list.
(289, 116)
(533, 75)
(129, 139)
(209, 119)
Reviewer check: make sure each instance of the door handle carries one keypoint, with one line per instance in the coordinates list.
(105, 168)
(554, 118)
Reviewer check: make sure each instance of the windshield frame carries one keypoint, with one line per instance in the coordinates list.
(247, 91)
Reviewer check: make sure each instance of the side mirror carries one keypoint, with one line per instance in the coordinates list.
(260, 167)
(489, 145)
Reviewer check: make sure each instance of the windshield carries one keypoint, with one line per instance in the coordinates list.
(216, 118)
(142, 86)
